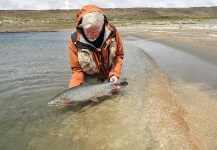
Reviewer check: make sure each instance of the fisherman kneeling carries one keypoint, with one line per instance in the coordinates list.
(95, 49)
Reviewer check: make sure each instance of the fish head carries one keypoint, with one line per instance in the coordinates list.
(55, 102)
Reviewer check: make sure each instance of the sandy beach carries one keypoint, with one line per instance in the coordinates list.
(195, 108)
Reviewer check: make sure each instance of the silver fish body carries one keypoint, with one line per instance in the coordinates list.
(85, 92)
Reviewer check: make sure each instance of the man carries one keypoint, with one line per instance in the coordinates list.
(95, 49)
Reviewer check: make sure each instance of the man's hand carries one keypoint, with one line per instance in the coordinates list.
(115, 80)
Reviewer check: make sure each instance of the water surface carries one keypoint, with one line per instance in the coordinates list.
(34, 67)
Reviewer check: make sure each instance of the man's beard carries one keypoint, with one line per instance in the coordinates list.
(92, 39)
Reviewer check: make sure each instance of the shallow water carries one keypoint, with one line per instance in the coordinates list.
(180, 64)
(143, 115)
(34, 67)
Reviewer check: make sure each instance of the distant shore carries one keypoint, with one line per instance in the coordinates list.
(55, 20)
(34, 30)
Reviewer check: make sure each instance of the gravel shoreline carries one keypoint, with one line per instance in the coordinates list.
(200, 105)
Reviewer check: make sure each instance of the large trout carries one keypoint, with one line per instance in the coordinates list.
(85, 92)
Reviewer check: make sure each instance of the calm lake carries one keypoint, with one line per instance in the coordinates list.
(34, 68)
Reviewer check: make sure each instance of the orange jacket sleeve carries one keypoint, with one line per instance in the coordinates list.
(116, 70)
(77, 74)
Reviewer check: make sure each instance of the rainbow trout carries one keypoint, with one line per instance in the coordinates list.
(85, 92)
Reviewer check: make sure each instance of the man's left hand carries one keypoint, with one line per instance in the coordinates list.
(115, 80)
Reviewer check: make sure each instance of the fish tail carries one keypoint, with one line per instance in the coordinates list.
(122, 82)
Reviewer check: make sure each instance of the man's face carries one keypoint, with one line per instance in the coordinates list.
(92, 33)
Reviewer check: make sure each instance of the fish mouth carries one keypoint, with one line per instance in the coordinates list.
(53, 103)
